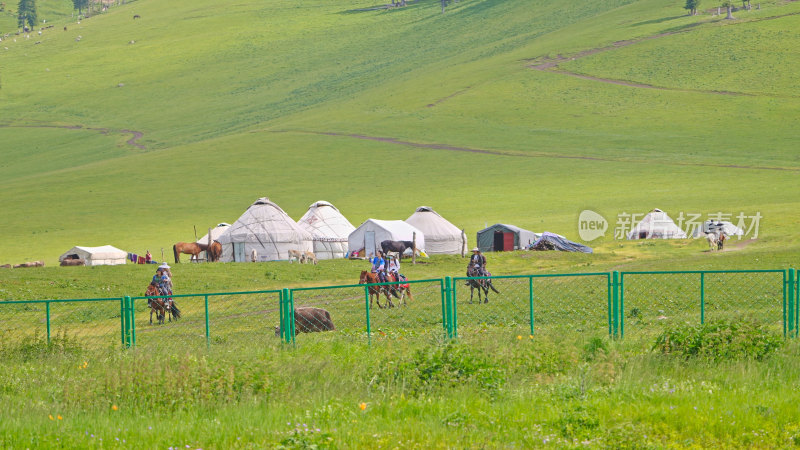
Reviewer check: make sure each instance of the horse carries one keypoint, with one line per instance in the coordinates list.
(159, 305)
(721, 241)
(483, 283)
(372, 278)
(403, 289)
(712, 241)
(190, 248)
(396, 246)
(214, 251)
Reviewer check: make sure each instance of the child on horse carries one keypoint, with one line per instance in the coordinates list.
(394, 268)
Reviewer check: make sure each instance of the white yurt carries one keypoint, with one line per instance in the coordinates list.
(441, 236)
(329, 230)
(714, 226)
(216, 232)
(266, 229)
(656, 225)
(105, 255)
(367, 238)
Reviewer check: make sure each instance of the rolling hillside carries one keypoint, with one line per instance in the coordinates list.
(130, 132)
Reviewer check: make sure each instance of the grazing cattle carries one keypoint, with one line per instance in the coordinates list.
(310, 257)
(310, 320)
(73, 262)
(214, 251)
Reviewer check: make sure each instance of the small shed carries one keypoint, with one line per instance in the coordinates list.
(105, 255)
(502, 237)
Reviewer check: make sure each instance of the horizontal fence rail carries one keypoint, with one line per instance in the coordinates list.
(631, 305)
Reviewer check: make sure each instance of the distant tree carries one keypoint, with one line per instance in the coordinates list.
(691, 6)
(26, 11)
(729, 5)
(80, 4)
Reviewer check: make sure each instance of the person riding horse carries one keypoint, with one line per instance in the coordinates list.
(163, 279)
(478, 261)
(394, 268)
(379, 266)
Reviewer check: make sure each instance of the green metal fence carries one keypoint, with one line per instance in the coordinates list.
(630, 305)
(653, 301)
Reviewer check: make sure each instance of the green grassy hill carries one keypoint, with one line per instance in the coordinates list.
(380, 111)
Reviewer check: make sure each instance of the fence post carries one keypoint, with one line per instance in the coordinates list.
(530, 301)
(796, 302)
(122, 320)
(619, 305)
(790, 303)
(282, 312)
(133, 323)
(126, 309)
(448, 294)
(443, 288)
(208, 330)
(47, 305)
(366, 309)
(702, 298)
(290, 316)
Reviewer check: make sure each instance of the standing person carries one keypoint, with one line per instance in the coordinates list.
(379, 266)
(478, 260)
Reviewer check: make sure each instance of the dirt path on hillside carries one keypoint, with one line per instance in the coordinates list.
(390, 140)
(551, 64)
(135, 135)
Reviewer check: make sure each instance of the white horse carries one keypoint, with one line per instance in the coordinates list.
(712, 241)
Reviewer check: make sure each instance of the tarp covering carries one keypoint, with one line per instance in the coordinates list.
(656, 225)
(216, 232)
(441, 236)
(268, 230)
(522, 238)
(329, 230)
(105, 255)
(379, 231)
(552, 241)
(712, 226)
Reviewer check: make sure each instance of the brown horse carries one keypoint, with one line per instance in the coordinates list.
(159, 305)
(190, 248)
(398, 290)
(372, 278)
(214, 251)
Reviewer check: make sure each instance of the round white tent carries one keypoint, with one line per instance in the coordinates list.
(268, 230)
(441, 236)
(711, 226)
(216, 232)
(656, 225)
(105, 255)
(329, 230)
(368, 236)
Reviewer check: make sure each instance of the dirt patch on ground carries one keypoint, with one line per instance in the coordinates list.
(523, 155)
(551, 64)
(734, 245)
(136, 135)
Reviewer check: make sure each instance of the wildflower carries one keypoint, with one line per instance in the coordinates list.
(51, 417)
(114, 407)
(362, 405)
(59, 417)
(531, 336)
(519, 337)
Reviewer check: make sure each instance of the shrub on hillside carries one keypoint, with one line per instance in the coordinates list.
(721, 340)
(439, 366)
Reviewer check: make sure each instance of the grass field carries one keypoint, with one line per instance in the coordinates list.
(134, 132)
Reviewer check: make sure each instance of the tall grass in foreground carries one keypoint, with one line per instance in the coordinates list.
(516, 392)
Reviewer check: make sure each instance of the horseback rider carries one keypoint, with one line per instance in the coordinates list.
(478, 261)
(394, 268)
(379, 266)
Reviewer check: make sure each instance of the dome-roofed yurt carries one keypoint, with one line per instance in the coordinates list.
(441, 236)
(329, 230)
(268, 230)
